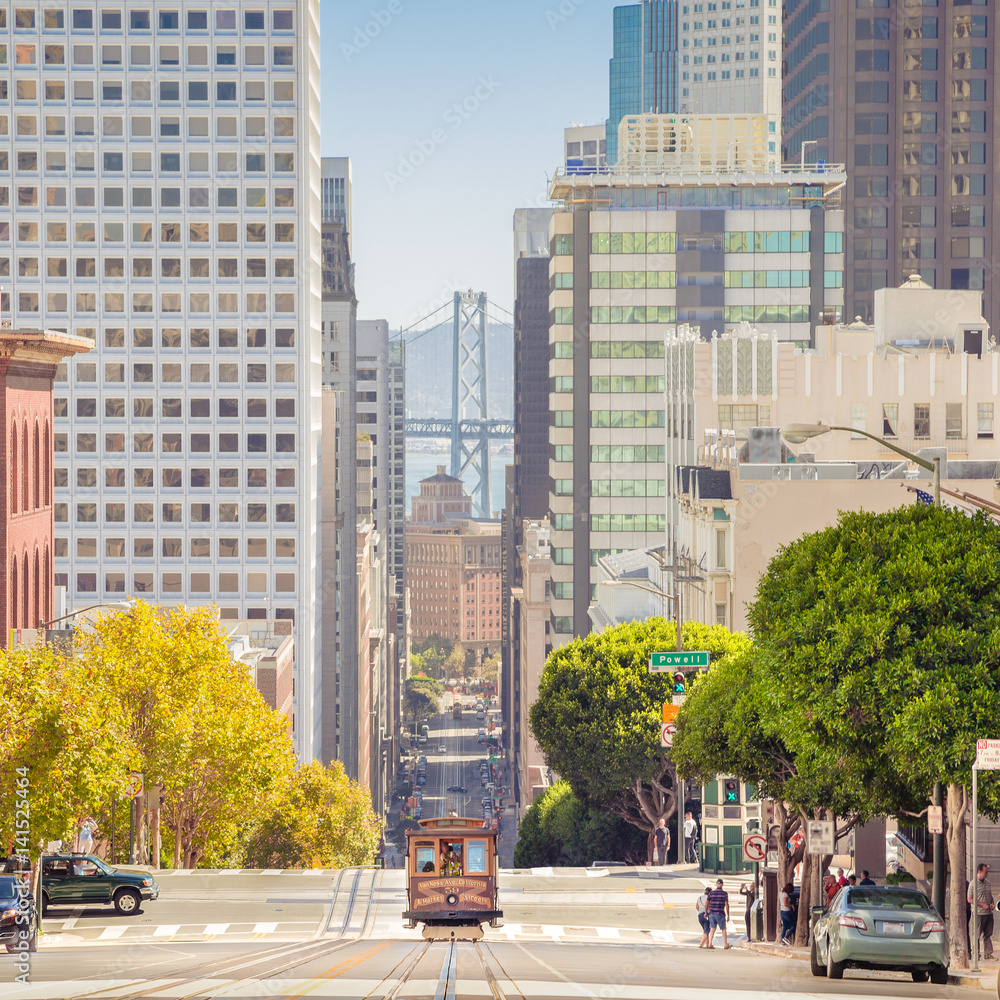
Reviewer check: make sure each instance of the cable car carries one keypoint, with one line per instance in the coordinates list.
(451, 879)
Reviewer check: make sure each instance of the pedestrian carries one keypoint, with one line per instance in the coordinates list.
(749, 890)
(866, 879)
(662, 837)
(86, 841)
(718, 914)
(690, 839)
(852, 879)
(831, 887)
(841, 879)
(787, 914)
(701, 905)
(984, 909)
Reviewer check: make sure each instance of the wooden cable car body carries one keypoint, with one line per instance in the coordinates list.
(451, 878)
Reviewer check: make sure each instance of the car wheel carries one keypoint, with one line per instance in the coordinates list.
(45, 903)
(939, 976)
(127, 902)
(815, 966)
(919, 976)
(11, 949)
(33, 943)
(834, 970)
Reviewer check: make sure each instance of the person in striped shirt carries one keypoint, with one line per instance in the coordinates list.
(718, 914)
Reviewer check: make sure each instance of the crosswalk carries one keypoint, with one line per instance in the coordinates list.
(76, 934)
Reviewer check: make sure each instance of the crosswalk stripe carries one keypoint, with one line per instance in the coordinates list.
(112, 932)
(267, 928)
(612, 933)
(167, 930)
(216, 928)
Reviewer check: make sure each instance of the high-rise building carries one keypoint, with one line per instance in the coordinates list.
(633, 255)
(336, 194)
(907, 98)
(164, 162)
(643, 70)
(730, 61)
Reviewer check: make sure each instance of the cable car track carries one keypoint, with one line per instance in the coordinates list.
(286, 956)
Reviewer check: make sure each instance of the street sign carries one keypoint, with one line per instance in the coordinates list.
(820, 836)
(662, 663)
(667, 731)
(935, 819)
(754, 847)
(988, 755)
(670, 711)
(134, 788)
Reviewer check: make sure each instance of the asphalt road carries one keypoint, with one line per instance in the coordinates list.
(630, 934)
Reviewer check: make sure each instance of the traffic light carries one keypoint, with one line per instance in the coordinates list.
(680, 682)
(732, 791)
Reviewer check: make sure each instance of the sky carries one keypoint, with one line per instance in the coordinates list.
(452, 113)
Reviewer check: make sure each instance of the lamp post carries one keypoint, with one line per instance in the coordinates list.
(796, 434)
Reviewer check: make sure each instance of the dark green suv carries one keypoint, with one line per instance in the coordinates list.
(85, 880)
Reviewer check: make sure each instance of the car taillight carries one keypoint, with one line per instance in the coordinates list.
(932, 925)
(849, 921)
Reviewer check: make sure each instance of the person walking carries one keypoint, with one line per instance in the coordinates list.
(984, 909)
(866, 879)
(718, 914)
(787, 915)
(690, 839)
(749, 890)
(662, 836)
(701, 905)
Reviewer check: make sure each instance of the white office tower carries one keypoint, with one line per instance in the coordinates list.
(731, 62)
(163, 159)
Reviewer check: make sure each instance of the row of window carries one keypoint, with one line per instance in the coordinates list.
(767, 279)
(172, 408)
(173, 583)
(627, 383)
(85, 197)
(173, 444)
(632, 242)
(173, 548)
(633, 279)
(171, 338)
(255, 268)
(111, 55)
(142, 19)
(626, 453)
(227, 303)
(26, 126)
(198, 371)
(84, 161)
(632, 314)
(115, 478)
(877, 216)
(921, 429)
(173, 513)
(142, 232)
(628, 522)
(766, 314)
(141, 91)
(626, 418)
(627, 348)
(796, 241)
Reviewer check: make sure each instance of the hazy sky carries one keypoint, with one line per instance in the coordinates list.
(452, 112)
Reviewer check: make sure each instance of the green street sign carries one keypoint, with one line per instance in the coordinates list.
(685, 659)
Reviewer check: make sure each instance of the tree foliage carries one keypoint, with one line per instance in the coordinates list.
(598, 713)
(421, 696)
(558, 829)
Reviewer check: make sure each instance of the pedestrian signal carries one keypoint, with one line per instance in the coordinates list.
(680, 683)
(732, 791)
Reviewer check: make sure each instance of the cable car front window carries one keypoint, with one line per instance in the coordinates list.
(475, 857)
(423, 857)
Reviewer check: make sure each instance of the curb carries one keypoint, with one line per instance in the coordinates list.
(984, 981)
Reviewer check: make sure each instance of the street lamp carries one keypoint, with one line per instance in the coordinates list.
(676, 598)
(796, 434)
(123, 605)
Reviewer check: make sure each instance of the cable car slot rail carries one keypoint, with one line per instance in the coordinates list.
(286, 957)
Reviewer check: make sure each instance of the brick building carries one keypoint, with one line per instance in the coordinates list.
(453, 566)
(28, 360)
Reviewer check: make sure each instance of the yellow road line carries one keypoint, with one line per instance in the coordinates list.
(337, 971)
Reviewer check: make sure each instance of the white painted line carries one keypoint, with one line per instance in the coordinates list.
(266, 928)
(271, 871)
(665, 936)
(167, 930)
(553, 932)
(216, 929)
(71, 922)
(111, 932)
(611, 933)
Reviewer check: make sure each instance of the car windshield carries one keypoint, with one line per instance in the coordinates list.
(885, 898)
(7, 889)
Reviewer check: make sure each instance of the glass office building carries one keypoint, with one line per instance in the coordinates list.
(643, 69)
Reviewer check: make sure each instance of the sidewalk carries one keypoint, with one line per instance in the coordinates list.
(985, 979)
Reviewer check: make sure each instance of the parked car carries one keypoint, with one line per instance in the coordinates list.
(880, 927)
(85, 880)
(457, 788)
(17, 915)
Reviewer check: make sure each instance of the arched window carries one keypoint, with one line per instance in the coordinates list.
(13, 594)
(47, 465)
(36, 472)
(14, 506)
(36, 611)
(25, 468)
(26, 584)
(47, 586)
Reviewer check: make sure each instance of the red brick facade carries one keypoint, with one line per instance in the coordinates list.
(28, 362)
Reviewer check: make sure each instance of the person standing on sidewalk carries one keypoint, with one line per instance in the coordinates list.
(690, 839)
(984, 909)
(787, 915)
(662, 836)
(701, 905)
(718, 914)
(749, 890)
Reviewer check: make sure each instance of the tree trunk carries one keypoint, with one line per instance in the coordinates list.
(805, 901)
(957, 808)
(177, 839)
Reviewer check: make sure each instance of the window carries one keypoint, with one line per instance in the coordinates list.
(984, 425)
(720, 549)
(859, 419)
(953, 420)
(890, 420)
(921, 421)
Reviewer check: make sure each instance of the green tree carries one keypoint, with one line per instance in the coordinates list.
(881, 640)
(319, 818)
(598, 713)
(421, 697)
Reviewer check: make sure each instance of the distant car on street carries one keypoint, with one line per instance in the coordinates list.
(442, 749)
(457, 788)
(85, 880)
(880, 927)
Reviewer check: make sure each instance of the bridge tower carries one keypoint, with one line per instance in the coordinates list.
(470, 399)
